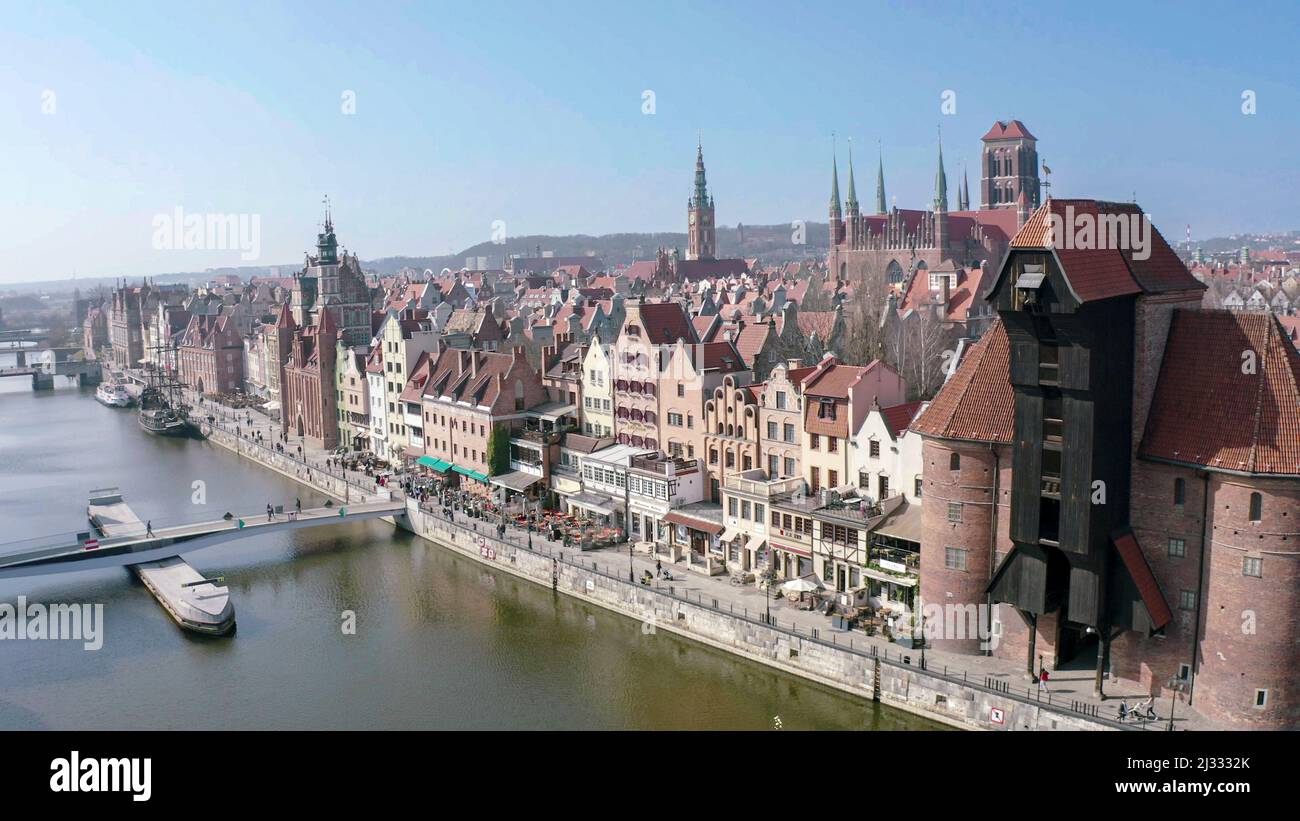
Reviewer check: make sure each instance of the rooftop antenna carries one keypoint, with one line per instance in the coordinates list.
(1047, 181)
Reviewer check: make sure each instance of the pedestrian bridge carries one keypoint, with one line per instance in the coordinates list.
(69, 553)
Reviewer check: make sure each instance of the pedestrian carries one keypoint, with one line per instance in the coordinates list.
(659, 566)
(1042, 681)
(268, 512)
(148, 528)
(1123, 710)
(297, 504)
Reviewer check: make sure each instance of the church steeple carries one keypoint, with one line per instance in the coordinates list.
(327, 246)
(701, 241)
(701, 197)
(880, 181)
(941, 182)
(852, 202)
(963, 198)
(835, 182)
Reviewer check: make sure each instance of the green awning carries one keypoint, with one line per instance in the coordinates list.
(473, 474)
(431, 463)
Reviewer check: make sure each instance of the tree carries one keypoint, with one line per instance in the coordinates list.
(863, 316)
(498, 450)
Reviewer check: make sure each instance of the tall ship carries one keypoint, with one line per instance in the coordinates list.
(163, 411)
(114, 394)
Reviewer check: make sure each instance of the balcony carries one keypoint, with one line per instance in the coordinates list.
(663, 466)
(756, 483)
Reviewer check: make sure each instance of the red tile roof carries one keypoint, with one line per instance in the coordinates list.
(1206, 411)
(899, 417)
(1129, 550)
(665, 323)
(977, 402)
(1102, 273)
(1008, 130)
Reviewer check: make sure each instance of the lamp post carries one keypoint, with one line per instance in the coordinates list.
(1177, 685)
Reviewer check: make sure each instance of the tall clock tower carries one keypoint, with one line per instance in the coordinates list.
(701, 231)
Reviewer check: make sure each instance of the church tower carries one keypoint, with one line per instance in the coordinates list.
(1010, 166)
(701, 231)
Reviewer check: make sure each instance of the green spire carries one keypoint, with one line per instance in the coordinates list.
(835, 180)
(852, 202)
(701, 187)
(941, 182)
(880, 181)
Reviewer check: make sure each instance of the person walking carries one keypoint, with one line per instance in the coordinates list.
(148, 528)
(659, 566)
(269, 512)
(297, 504)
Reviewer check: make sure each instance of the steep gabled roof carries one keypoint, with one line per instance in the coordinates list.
(665, 323)
(1103, 273)
(1212, 408)
(977, 402)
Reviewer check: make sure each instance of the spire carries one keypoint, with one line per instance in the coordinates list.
(326, 323)
(852, 202)
(701, 198)
(941, 182)
(880, 180)
(835, 180)
(964, 197)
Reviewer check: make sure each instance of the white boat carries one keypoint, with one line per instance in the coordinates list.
(113, 394)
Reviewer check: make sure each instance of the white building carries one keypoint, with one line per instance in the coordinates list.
(885, 457)
(656, 485)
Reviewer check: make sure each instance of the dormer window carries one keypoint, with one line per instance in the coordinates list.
(826, 409)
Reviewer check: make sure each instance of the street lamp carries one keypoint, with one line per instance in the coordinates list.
(1178, 685)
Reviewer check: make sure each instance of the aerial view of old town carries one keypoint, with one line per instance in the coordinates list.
(438, 367)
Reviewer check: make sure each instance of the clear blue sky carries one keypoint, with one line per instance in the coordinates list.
(530, 113)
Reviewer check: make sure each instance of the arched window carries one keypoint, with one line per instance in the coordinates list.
(1180, 491)
(1256, 507)
(954, 462)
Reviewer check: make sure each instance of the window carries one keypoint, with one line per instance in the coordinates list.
(789, 432)
(954, 511)
(1180, 491)
(917, 491)
(780, 400)
(789, 466)
(833, 478)
(731, 505)
(771, 430)
(1256, 507)
(1252, 566)
(1187, 599)
(759, 510)
(884, 488)
(954, 462)
(744, 509)
(674, 419)
(814, 441)
(1177, 548)
(1261, 699)
(713, 456)
(681, 390)
(954, 558)
(874, 449)
(832, 444)
(773, 465)
(826, 409)
(731, 459)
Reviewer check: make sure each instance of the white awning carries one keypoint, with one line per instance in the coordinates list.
(515, 480)
(593, 502)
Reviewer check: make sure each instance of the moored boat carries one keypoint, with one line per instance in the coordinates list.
(113, 394)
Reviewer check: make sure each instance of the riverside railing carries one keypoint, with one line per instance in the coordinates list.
(866, 651)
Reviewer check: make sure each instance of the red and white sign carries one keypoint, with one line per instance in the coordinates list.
(996, 716)
(91, 544)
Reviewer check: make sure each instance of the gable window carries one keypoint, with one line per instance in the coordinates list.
(1256, 507)
(874, 449)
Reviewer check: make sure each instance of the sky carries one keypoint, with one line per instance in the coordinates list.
(431, 125)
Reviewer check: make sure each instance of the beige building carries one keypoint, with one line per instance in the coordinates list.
(598, 391)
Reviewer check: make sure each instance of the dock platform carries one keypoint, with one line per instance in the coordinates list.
(193, 602)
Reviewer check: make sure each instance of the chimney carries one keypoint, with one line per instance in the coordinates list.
(791, 364)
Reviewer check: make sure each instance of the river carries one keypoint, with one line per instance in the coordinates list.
(440, 642)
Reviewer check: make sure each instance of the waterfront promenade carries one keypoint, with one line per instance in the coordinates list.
(1070, 691)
